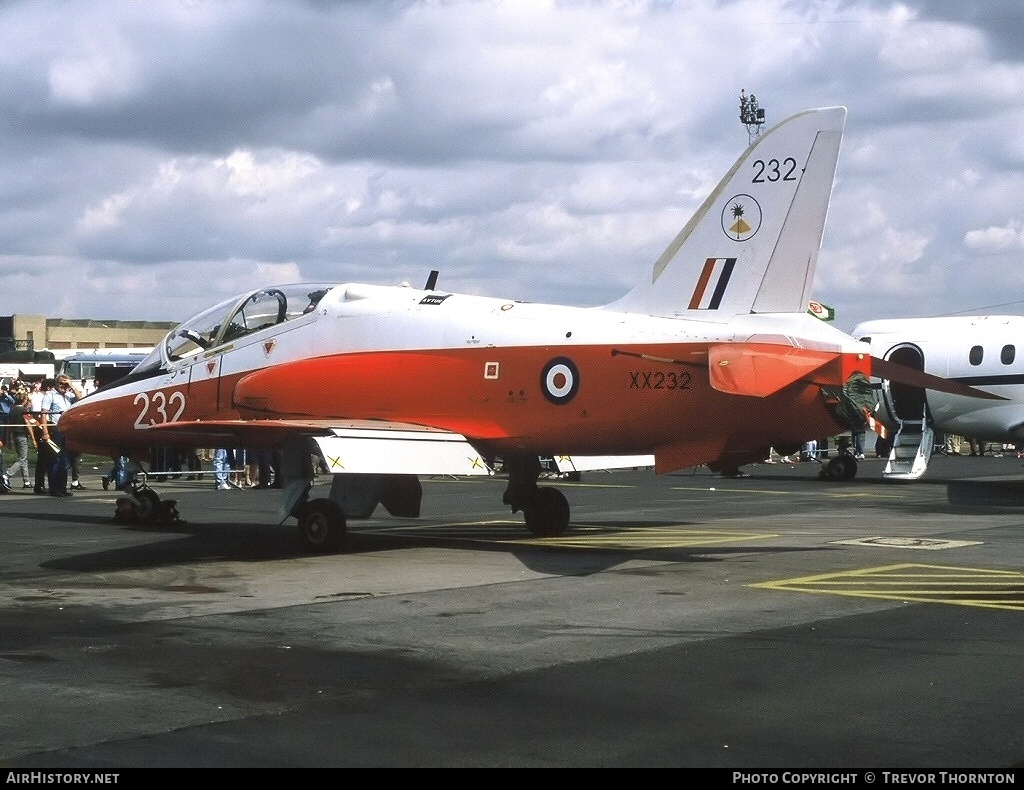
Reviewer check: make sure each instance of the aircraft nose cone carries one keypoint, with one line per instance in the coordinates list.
(77, 423)
(70, 421)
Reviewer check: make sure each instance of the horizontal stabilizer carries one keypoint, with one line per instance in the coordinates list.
(762, 369)
(901, 374)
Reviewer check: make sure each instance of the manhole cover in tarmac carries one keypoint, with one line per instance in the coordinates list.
(910, 543)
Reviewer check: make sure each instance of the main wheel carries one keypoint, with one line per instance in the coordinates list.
(322, 526)
(547, 513)
(841, 468)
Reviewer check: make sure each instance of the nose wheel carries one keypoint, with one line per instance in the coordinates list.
(143, 505)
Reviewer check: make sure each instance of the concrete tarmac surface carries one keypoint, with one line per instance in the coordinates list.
(772, 621)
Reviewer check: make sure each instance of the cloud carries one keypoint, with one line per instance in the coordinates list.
(537, 150)
(996, 240)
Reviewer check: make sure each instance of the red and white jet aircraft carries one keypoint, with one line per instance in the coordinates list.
(711, 359)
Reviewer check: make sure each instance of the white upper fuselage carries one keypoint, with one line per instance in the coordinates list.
(506, 373)
(403, 318)
(355, 317)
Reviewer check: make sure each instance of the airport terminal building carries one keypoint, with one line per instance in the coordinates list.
(25, 332)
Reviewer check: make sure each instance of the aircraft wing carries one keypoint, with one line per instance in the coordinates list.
(356, 446)
(893, 371)
(394, 451)
(590, 463)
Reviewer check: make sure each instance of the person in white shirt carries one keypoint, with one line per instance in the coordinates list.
(54, 403)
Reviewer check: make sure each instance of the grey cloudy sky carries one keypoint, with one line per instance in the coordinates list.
(158, 157)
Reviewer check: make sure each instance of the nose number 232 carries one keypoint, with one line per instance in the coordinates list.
(158, 408)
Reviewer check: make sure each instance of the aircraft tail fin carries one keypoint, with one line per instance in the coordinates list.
(752, 247)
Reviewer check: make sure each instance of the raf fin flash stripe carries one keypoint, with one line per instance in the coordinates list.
(716, 273)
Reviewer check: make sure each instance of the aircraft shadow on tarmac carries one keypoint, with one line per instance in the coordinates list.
(578, 553)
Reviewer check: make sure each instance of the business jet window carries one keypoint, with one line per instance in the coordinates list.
(976, 354)
(1007, 355)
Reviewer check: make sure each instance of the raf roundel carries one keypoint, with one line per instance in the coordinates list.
(560, 380)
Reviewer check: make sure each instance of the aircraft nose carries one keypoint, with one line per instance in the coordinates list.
(69, 420)
(74, 423)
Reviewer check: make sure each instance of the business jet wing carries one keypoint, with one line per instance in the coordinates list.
(902, 374)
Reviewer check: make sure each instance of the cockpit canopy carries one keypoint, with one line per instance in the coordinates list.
(236, 317)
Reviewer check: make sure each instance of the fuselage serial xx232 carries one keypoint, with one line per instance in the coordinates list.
(710, 359)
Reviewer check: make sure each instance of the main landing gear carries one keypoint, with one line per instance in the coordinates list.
(321, 525)
(545, 510)
(839, 469)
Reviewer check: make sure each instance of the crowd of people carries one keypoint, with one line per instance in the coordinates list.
(232, 468)
(30, 414)
(953, 444)
(30, 418)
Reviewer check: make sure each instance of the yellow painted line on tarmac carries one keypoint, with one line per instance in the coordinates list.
(717, 489)
(987, 588)
(581, 536)
(577, 484)
(789, 492)
(542, 481)
(642, 539)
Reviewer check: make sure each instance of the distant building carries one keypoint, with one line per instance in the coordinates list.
(24, 332)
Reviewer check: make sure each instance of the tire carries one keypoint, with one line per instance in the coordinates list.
(147, 505)
(841, 469)
(547, 514)
(322, 526)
